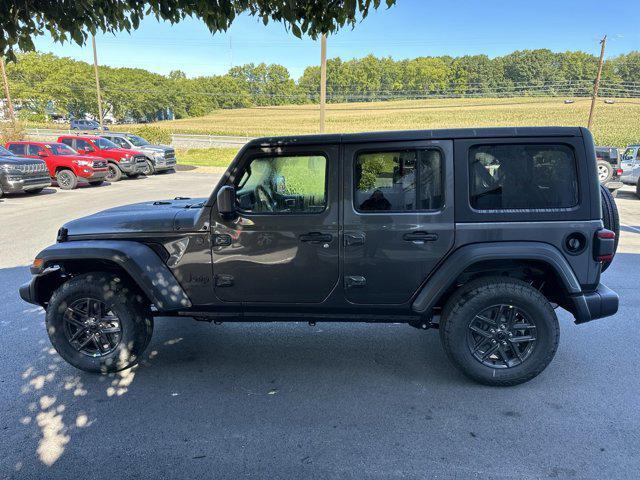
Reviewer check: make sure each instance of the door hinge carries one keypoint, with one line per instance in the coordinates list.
(354, 239)
(355, 281)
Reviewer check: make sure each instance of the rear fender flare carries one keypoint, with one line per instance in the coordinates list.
(468, 255)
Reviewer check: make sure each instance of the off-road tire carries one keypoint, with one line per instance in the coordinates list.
(605, 171)
(67, 180)
(610, 218)
(473, 298)
(150, 169)
(114, 173)
(123, 299)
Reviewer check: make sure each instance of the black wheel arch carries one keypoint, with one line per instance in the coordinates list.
(540, 264)
(135, 261)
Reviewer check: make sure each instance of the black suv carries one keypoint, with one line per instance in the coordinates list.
(480, 233)
(20, 174)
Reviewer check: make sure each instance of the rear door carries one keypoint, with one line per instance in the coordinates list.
(398, 217)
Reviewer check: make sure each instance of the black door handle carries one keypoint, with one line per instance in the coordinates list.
(420, 237)
(316, 237)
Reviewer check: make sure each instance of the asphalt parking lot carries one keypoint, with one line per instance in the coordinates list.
(290, 401)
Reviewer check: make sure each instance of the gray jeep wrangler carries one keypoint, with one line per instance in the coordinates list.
(480, 233)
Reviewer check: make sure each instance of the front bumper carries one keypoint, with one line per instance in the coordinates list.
(132, 168)
(21, 183)
(603, 302)
(164, 164)
(91, 175)
(28, 292)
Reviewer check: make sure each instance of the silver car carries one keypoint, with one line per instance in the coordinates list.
(631, 165)
(159, 157)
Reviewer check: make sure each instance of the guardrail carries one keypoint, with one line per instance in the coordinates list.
(178, 140)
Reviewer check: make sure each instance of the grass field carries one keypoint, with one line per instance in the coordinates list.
(615, 124)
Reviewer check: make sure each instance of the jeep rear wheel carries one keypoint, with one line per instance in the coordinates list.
(114, 174)
(99, 323)
(66, 179)
(499, 331)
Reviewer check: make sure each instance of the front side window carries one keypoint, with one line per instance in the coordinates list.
(284, 185)
(398, 181)
(517, 176)
(18, 148)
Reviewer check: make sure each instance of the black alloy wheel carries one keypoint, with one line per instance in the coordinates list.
(90, 328)
(501, 336)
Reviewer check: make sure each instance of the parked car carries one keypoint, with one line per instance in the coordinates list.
(630, 164)
(65, 165)
(80, 124)
(159, 157)
(609, 170)
(19, 174)
(369, 227)
(120, 161)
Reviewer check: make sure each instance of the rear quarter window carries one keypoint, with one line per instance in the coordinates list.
(522, 177)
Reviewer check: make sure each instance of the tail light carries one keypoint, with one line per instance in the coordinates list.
(619, 172)
(604, 245)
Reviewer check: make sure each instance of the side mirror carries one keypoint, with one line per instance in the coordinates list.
(226, 201)
(42, 154)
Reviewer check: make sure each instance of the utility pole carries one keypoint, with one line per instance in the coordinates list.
(95, 68)
(12, 114)
(323, 79)
(596, 84)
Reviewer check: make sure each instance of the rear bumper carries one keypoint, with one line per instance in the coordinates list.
(603, 302)
(614, 185)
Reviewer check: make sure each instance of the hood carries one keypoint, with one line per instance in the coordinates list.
(15, 160)
(157, 148)
(87, 158)
(164, 216)
(124, 151)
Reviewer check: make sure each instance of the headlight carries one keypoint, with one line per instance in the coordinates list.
(83, 163)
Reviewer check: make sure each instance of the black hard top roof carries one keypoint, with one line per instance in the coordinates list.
(413, 135)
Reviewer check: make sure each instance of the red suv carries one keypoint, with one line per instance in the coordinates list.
(120, 161)
(65, 165)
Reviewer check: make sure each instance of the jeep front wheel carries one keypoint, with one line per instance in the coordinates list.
(99, 323)
(499, 331)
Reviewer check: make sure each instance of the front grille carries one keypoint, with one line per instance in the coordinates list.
(100, 164)
(140, 158)
(32, 168)
(170, 154)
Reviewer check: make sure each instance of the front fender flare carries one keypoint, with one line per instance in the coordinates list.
(142, 264)
(465, 256)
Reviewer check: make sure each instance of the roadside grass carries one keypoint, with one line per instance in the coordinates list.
(615, 124)
(206, 157)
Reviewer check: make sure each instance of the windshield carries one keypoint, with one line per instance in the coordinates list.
(61, 149)
(137, 141)
(5, 153)
(104, 144)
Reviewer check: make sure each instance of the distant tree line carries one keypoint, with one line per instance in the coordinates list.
(44, 83)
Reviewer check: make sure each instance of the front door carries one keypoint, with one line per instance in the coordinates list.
(283, 247)
(398, 217)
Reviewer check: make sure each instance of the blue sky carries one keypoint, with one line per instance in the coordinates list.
(409, 29)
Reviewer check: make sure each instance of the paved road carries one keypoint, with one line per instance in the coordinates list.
(290, 401)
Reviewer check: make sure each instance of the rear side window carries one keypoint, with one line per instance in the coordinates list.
(517, 176)
(67, 141)
(18, 148)
(398, 181)
(35, 150)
